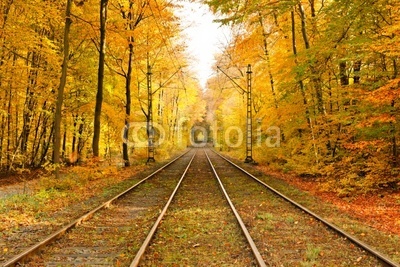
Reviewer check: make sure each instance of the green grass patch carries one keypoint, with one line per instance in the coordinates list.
(265, 216)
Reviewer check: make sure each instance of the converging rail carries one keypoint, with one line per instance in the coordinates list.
(52, 237)
(197, 205)
(381, 257)
(146, 242)
(140, 255)
(253, 246)
(71, 251)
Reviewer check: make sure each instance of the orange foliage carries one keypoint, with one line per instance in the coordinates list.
(387, 93)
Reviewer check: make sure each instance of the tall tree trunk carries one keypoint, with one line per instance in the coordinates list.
(2, 131)
(395, 152)
(60, 95)
(74, 133)
(81, 141)
(36, 139)
(30, 102)
(46, 145)
(128, 103)
(312, 6)
(357, 68)
(9, 130)
(302, 89)
(303, 26)
(395, 71)
(64, 142)
(41, 142)
(27, 119)
(314, 70)
(131, 24)
(344, 78)
(267, 58)
(100, 78)
(40, 132)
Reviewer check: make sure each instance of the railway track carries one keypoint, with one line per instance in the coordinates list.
(91, 224)
(198, 225)
(179, 215)
(305, 232)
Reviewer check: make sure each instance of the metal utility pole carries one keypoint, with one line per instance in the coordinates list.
(150, 129)
(249, 117)
(150, 126)
(249, 129)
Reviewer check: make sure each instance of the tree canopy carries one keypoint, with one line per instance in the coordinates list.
(131, 36)
(326, 75)
(78, 77)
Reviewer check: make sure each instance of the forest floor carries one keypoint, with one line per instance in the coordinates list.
(380, 210)
(18, 183)
(35, 199)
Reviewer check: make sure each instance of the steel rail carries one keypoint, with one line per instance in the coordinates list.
(31, 250)
(153, 230)
(383, 258)
(256, 252)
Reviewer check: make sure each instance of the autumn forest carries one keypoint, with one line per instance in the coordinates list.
(75, 75)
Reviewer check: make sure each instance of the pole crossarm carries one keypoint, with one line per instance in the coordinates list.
(163, 84)
(232, 80)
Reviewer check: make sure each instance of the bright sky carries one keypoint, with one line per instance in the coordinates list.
(205, 38)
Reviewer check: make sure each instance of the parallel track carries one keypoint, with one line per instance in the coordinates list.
(61, 253)
(257, 255)
(146, 242)
(260, 258)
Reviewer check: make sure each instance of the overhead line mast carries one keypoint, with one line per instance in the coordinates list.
(150, 128)
(249, 124)
(249, 115)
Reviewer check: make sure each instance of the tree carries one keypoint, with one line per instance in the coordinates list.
(347, 52)
(60, 95)
(132, 20)
(100, 77)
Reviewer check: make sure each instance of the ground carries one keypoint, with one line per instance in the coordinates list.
(373, 208)
(17, 183)
(380, 210)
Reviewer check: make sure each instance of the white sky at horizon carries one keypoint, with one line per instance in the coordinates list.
(204, 38)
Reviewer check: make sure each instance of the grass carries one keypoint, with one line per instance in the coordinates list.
(312, 253)
(51, 194)
(195, 232)
(265, 216)
(290, 219)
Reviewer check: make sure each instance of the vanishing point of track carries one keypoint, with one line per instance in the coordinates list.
(122, 218)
